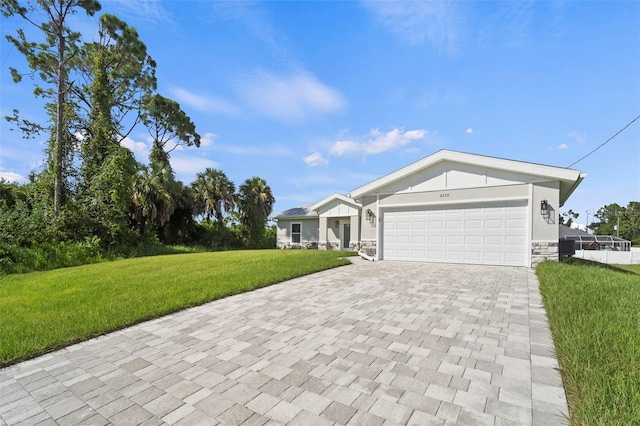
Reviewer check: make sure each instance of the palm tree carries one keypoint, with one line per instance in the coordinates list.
(215, 195)
(256, 204)
(151, 199)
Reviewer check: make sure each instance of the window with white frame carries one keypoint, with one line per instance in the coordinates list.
(296, 233)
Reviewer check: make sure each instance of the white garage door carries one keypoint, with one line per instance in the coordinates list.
(493, 234)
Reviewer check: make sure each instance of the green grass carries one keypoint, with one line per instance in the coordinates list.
(630, 268)
(43, 311)
(594, 314)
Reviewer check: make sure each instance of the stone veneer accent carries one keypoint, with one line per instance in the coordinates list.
(543, 250)
(286, 245)
(329, 246)
(369, 247)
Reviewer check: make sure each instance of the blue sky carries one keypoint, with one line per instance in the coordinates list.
(322, 97)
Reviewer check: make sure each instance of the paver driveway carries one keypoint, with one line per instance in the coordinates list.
(366, 344)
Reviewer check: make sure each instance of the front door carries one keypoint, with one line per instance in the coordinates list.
(346, 235)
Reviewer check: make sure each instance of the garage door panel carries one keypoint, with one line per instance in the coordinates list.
(419, 224)
(418, 239)
(435, 239)
(492, 240)
(515, 224)
(403, 225)
(489, 234)
(434, 255)
(418, 254)
(436, 224)
(472, 240)
(493, 256)
(473, 256)
(493, 224)
(453, 224)
(514, 240)
(453, 255)
(473, 224)
(453, 240)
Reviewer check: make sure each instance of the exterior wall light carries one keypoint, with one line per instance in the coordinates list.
(544, 207)
(369, 214)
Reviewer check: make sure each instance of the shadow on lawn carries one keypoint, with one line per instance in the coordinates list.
(584, 262)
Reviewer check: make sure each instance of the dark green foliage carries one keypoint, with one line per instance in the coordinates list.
(611, 215)
(255, 202)
(166, 122)
(92, 200)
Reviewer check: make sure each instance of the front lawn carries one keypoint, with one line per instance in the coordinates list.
(43, 311)
(594, 314)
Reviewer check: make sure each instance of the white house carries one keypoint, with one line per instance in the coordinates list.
(449, 207)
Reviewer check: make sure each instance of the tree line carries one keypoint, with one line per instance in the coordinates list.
(91, 194)
(612, 219)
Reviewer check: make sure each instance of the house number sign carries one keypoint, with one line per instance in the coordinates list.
(444, 195)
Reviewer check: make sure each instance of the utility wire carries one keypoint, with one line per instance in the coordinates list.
(605, 142)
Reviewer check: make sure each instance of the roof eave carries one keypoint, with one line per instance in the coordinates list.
(565, 196)
(533, 169)
(335, 196)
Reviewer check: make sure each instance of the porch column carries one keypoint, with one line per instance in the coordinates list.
(322, 233)
(354, 243)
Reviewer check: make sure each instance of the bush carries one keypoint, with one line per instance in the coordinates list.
(42, 257)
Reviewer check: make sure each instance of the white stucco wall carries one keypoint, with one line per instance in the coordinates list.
(309, 230)
(545, 228)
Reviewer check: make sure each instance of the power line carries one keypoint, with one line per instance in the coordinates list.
(605, 142)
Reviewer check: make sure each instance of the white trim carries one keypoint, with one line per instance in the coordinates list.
(336, 196)
(460, 188)
(570, 176)
(291, 232)
(454, 202)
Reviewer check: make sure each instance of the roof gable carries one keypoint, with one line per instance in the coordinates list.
(452, 169)
(336, 205)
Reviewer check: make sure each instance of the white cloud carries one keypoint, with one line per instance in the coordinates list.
(315, 159)
(293, 98)
(437, 22)
(262, 151)
(577, 136)
(190, 165)
(517, 17)
(140, 148)
(149, 10)
(469, 131)
(207, 139)
(377, 142)
(212, 104)
(12, 177)
(253, 16)
(562, 146)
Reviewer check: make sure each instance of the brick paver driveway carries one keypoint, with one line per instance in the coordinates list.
(366, 344)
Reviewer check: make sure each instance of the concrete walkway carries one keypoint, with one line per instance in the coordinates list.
(381, 343)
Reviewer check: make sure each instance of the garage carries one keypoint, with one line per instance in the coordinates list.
(489, 233)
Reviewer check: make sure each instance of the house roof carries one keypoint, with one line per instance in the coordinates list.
(565, 231)
(302, 212)
(569, 178)
(333, 197)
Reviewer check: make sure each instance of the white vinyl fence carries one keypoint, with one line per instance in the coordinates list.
(610, 256)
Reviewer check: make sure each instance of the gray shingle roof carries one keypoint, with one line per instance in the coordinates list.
(296, 213)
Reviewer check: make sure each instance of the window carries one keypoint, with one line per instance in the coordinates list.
(296, 232)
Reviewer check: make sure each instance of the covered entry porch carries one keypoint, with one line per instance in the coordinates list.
(339, 223)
